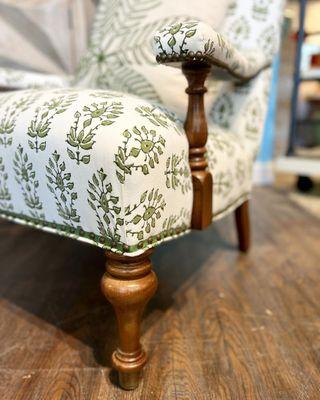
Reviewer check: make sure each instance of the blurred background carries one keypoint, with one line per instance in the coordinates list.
(51, 35)
(299, 175)
(48, 35)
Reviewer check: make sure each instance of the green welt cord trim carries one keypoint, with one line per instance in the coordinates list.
(105, 243)
(90, 237)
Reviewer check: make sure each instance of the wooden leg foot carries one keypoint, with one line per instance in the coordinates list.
(128, 284)
(129, 381)
(243, 226)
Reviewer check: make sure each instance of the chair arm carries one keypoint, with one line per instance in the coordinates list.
(13, 79)
(197, 41)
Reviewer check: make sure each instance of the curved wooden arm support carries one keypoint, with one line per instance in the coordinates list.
(128, 284)
(197, 132)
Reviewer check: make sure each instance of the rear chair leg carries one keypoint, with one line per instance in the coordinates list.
(243, 226)
(128, 284)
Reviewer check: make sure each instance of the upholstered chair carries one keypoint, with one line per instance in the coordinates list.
(103, 157)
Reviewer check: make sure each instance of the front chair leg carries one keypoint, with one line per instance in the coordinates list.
(128, 284)
(243, 226)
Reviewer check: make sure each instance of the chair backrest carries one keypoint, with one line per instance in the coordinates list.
(120, 58)
(241, 109)
(254, 24)
(120, 53)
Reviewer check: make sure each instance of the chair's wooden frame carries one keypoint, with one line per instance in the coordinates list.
(129, 282)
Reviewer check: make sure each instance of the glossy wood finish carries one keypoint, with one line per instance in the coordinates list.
(197, 132)
(128, 284)
(221, 326)
(242, 217)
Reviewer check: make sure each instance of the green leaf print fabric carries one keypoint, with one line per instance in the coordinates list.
(111, 168)
(245, 42)
(94, 165)
(120, 51)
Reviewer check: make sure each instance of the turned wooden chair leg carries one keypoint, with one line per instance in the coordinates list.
(128, 284)
(243, 226)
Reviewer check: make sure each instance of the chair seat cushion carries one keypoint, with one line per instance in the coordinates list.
(107, 168)
(99, 166)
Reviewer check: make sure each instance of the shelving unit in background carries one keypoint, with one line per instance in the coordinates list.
(301, 158)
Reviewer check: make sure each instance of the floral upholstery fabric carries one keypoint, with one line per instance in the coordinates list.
(248, 40)
(233, 140)
(120, 53)
(245, 44)
(251, 26)
(198, 41)
(103, 167)
(112, 169)
(229, 164)
(14, 79)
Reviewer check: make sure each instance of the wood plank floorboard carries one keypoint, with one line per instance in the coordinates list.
(222, 325)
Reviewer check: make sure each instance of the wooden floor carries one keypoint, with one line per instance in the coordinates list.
(222, 325)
